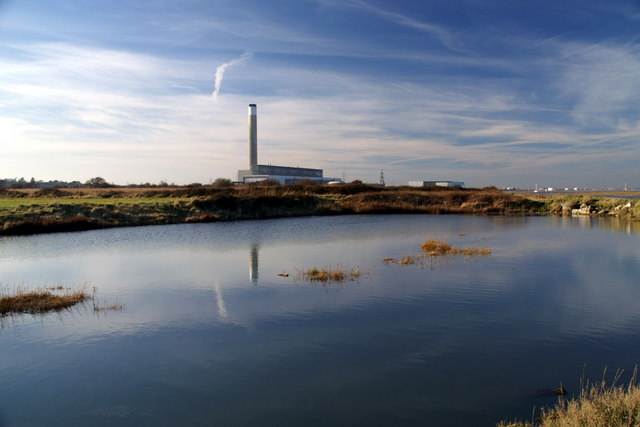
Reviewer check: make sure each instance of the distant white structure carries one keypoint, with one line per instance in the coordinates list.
(436, 184)
(282, 174)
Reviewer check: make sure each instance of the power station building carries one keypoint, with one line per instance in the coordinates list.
(282, 174)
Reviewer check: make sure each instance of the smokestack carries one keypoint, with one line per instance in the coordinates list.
(253, 136)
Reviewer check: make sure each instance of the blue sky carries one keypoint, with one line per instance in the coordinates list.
(489, 92)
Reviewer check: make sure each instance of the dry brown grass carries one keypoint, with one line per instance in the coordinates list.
(328, 274)
(433, 247)
(437, 247)
(475, 251)
(598, 405)
(108, 307)
(40, 301)
(407, 260)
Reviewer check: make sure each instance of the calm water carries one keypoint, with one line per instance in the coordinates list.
(211, 336)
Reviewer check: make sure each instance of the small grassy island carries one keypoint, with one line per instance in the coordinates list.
(40, 301)
(329, 275)
(31, 211)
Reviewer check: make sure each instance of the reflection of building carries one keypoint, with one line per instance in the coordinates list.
(282, 174)
(253, 263)
(436, 184)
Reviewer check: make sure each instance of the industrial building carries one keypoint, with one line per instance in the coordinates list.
(282, 174)
(436, 184)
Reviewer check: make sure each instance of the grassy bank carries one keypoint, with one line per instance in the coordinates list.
(42, 211)
(598, 405)
(590, 203)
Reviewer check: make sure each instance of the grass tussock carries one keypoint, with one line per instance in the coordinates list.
(108, 307)
(407, 260)
(437, 248)
(40, 301)
(598, 405)
(328, 274)
(104, 306)
(433, 247)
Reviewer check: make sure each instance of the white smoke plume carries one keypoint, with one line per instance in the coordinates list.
(222, 68)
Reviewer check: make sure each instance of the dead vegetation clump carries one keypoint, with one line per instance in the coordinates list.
(407, 260)
(328, 274)
(433, 247)
(40, 301)
(116, 306)
(55, 298)
(598, 405)
(438, 248)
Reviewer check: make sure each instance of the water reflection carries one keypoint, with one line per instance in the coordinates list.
(200, 344)
(605, 223)
(253, 263)
(222, 308)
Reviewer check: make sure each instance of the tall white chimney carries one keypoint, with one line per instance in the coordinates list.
(253, 137)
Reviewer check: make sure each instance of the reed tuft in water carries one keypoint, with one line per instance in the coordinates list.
(433, 247)
(40, 301)
(328, 274)
(598, 405)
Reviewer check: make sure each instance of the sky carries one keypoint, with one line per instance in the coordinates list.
(505, 93)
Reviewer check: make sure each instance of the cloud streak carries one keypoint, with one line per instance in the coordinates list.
(440, 33)
(334, 94)
(220, 70)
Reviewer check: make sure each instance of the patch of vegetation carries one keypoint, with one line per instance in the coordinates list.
(116, 306)
(330, 275)
(433, 247)
(405, 260)
(40, 301)
(598, 405)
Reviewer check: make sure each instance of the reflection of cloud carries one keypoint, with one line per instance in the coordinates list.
(222, 308)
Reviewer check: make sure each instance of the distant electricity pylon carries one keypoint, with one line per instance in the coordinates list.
(381, 177)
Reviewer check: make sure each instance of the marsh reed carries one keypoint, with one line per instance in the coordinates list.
(598, 405)
(329, 274)
(39, 301)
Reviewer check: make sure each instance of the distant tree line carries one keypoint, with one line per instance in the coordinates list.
(32, 183)
(99, 182)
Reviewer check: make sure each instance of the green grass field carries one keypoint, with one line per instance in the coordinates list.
(11, 202)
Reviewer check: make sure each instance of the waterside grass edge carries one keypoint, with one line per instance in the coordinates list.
(54, 211)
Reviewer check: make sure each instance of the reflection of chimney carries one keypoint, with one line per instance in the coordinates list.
(253, 137)
(253, 264)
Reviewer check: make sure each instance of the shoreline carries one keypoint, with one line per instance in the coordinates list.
(25, 212)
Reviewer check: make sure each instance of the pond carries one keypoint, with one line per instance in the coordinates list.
(210, 333)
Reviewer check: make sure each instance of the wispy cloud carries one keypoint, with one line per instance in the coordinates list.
(601, 80)
(442, 34)
(119, 113)
(220, 70)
